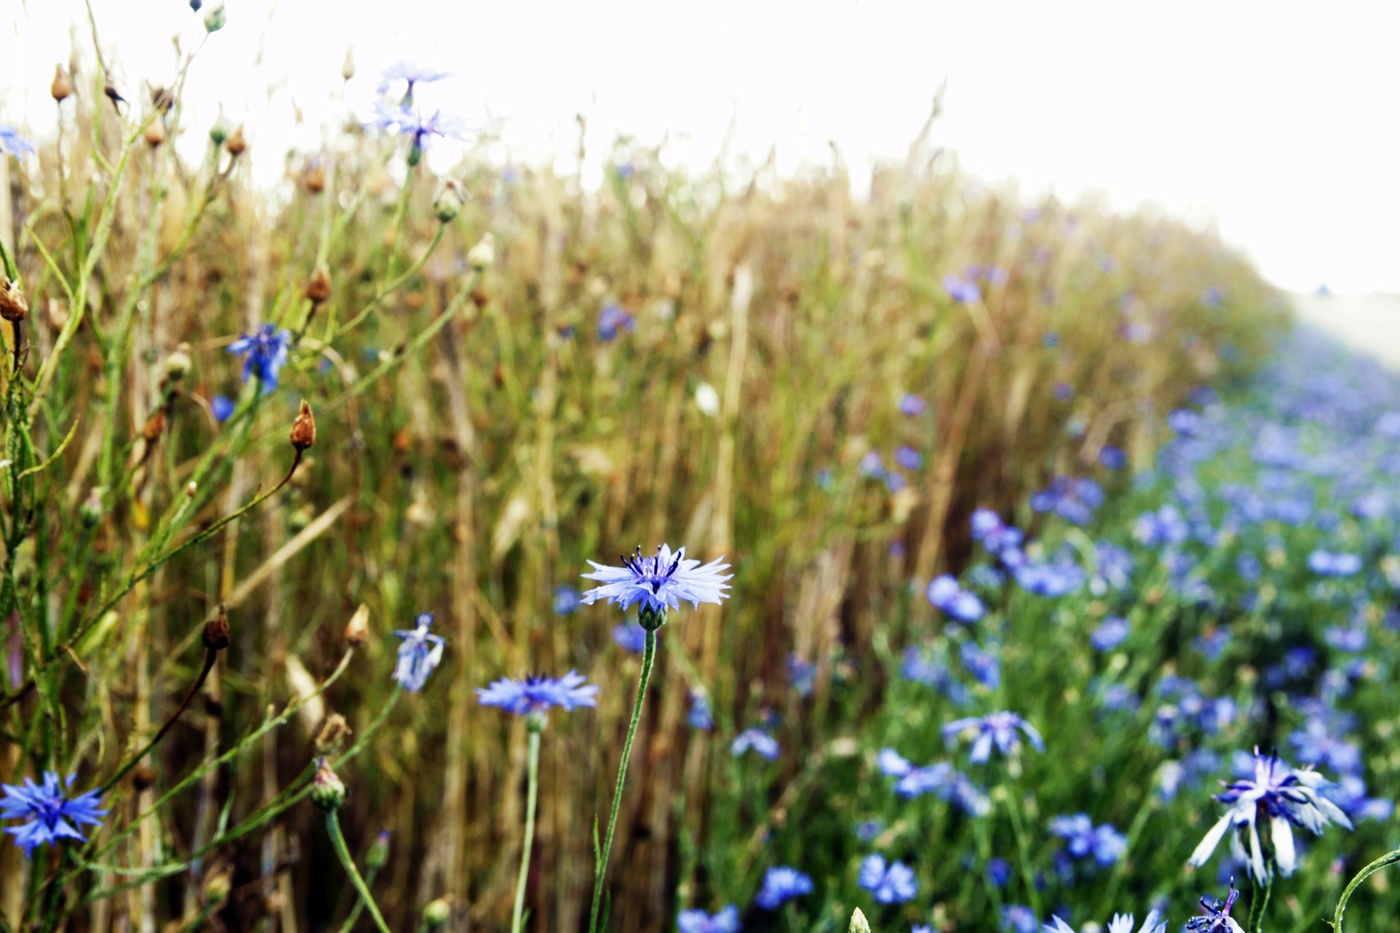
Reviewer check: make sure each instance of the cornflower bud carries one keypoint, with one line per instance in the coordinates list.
(216, 635)
(177, 364)
(436, 914)
(303, 433)
(378, 855)
(218, 134)
(215, 19)
(448, 202)
(357, 629)
(483, 255)
(327, 790)
(318, 288)
(90, 512)
(347, 67)
(236, 144)
(155, 133)
(13, 306)
(62, 87)
(858, 923)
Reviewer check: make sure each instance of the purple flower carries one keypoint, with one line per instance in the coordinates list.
(700, 716)
(999, 870)
(945, 594)
(697, 921)
(909, 458)
(418, 655)
(983, 665)
(536, 694)
(911, 405)
(266, 350)
(1121, 923)
(1216, 917)
(659, 583)
(782, 884)
(1283, 796)
(871, 465)
(802, 674)
(961, 289)
(758, 740)
(630, 635)
(997, 729)
(13, 143)
(892, 883)
(405, 122)
(221, 407)
(1017, 918)
(612, 319)
(52, 815)
(1113, 458)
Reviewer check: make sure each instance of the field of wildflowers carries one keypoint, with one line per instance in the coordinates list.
(967, 545)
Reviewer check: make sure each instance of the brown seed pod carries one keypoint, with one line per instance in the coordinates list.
(303, 433)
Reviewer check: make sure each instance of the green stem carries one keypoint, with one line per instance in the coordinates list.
(342, 850)
(359, 907)
(1390, 858)
(1259, 902)
(1013, 809)
(532, 795)
(601, 866)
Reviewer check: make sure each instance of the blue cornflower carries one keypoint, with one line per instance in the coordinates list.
(221, 407)
(802, 674)
(659, 583)
(1216, 918)
(1317, 745)
(266, 350)
(944, 593)
(1083, 838)
(871, 465)
(1121, 923)
(758, 740)
(612, 319)
(418, 655)
(999, 870)
(700, 716)
(1285, 797)
(630, 635)
(994, 729)
(1113, 458)
(412, 74)
(1109, 634)
(910, 404)
(13, 143)
(52, 815)
(1328, 564)
(983, 665)
(960, 289)
(782, 884)
(404, 122)
(537, 693)
(566, 600)
(697, 921)
(1018, 918)
(908, 457)
(892, 883)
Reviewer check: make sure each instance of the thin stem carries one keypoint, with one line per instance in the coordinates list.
(1013, 809)
(211, 655)
(338, 841)
(1259, 901)
(601, 867)
(533, 769)
(1390, 858)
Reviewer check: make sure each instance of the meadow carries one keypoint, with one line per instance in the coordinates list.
(1010, 529)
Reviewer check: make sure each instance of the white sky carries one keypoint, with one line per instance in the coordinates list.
(1278, 120)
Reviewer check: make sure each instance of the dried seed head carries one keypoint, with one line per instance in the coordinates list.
(357, 629)
(315, 178)
(318, 288)
(154, 427)
(215, 636)
(13, 306)
(236, 144)
(62, 87)
(333, 732)
(162, 99)
(143, 776)
(155, 132)
(110, 90)
(303, 433)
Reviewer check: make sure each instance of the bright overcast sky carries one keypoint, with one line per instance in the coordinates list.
(1277, 120)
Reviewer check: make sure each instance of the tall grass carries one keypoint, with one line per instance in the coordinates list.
(477, 439)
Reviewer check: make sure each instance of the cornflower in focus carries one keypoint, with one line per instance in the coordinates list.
(419, 654)
(266, 354)
(997, 729)
(892, 883)
(782, 884)
(536, 693)
(52, 815)
(1285, 797)
(658, 583)
(726, 920)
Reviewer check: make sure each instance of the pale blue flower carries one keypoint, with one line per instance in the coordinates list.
(782, 884)
(659, 583)
(537, 693)
(697, 921)
(418, 655)
(997, 729)
(892, 883)
(758, 740)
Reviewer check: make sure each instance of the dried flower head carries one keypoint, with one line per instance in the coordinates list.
(216, 633)
(236, 144)
(62, 87)
(13, 306)
(318, 287)
(357, 629)
(303, 433)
